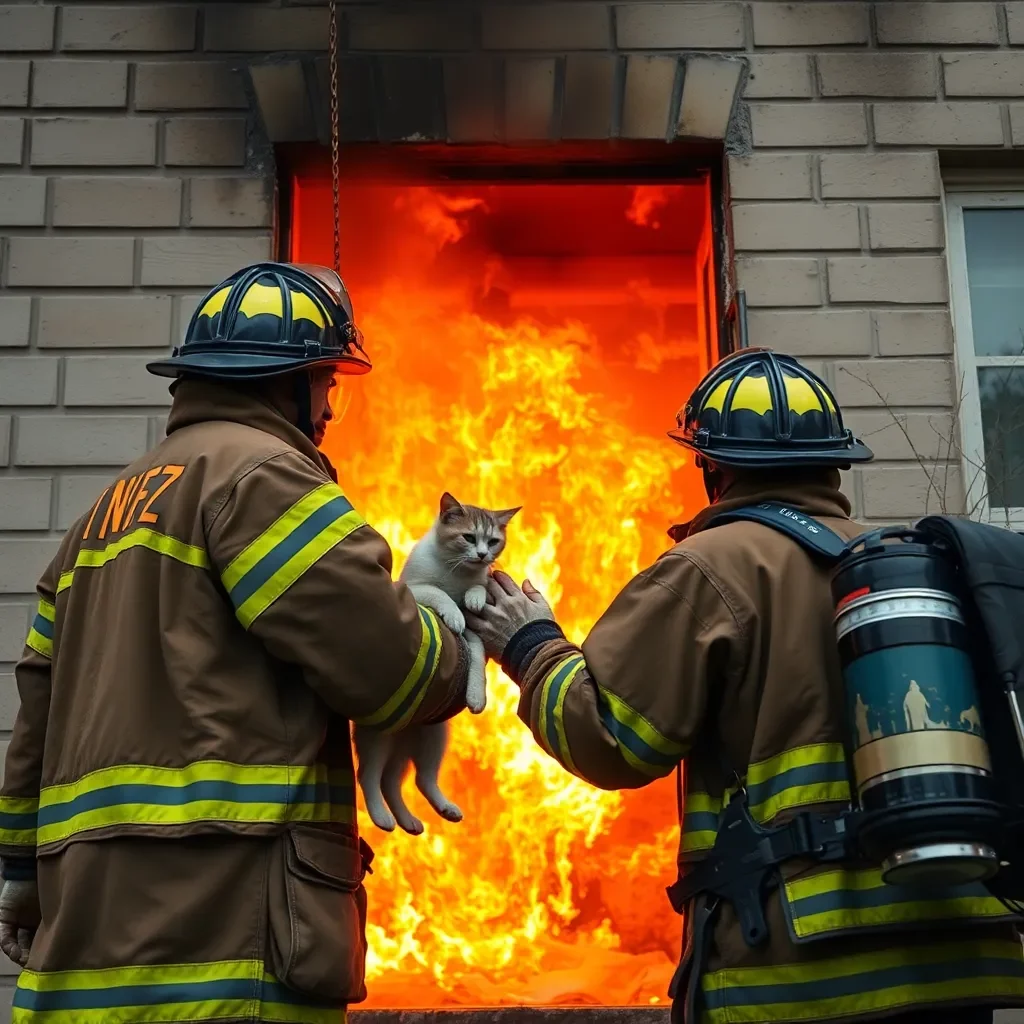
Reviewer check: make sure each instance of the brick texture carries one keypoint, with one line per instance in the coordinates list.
(814, 24)
(879, 175)
(93, 141)
(15, 320)
(14, 623)
(529, 98)
(806, 124)
(231, 27)
(77, 261)
(188, 85)
(833, 332)
(937, 23)
(645, 107)
(780, 282)
(28, 380)
(230, 203)
(777, 226)
(905, 226)
(878, 74)
(116, 202)
(23, 560)
(771, 176)
(76, 494)
(937, 124)
(112, 380)
(716, 26)
(780, 76)
(907, 279)
(24, 505)
(80, 83)
(550, 26)
(205, 142)
(197, 259)
(80, 440)
(12, 140)
(155, 27)
(433, 27)
(22, 201)
(114, 321)
(26, 27)
(913, 332)
(14, 75)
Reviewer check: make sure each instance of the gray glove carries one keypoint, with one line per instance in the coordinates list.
(19, 918)
(508, 609)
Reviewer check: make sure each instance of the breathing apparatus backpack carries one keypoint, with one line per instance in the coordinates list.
(930, 629)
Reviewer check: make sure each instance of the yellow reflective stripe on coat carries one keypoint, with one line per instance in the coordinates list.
(40, 635)
(885, 980)
(279, 556)
(204, 791)
(399, 708)
(141, 537)
(801, 777)
(641, 745)
(845, 900)
(551, 714)
(18, 821)
(221, 990)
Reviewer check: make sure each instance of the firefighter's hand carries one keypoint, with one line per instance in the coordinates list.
(19, 918)
(508, 609)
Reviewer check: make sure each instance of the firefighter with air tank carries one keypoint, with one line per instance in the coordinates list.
(724, 653)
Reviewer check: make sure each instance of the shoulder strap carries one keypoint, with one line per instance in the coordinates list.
(813, 536)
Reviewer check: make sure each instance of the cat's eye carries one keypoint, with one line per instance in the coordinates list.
(493, 542)
(469, 537)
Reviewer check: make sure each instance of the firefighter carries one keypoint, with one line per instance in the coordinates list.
(723, 653)
(178, 810)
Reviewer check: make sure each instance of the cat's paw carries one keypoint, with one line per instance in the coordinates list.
(453, 618)
(475, 599)
(450, 812)
(411, 824)
(476, 700)
(383, 819)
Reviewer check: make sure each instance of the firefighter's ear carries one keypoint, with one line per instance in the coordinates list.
(450, 508)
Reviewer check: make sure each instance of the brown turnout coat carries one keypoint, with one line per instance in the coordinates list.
(181, 764)
(723, 654)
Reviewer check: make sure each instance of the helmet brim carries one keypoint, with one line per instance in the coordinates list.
(233, 366)
(740, 457)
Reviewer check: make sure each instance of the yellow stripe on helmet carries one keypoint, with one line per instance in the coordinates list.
(265, 299)
(754, 395)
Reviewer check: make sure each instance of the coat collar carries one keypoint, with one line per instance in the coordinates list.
(819, 497)
(202, 401)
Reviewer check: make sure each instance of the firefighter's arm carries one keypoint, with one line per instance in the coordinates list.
(19, 795)
(312, 581)
(628, 706)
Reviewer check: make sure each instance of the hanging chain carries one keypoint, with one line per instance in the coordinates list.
(335, 130)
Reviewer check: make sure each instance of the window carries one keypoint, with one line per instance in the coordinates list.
(986, 255)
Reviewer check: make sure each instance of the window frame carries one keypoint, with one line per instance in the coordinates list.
(966, 360)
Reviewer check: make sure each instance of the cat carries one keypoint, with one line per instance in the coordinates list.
(448, 566)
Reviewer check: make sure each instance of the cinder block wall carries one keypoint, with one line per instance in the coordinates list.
(134, 173)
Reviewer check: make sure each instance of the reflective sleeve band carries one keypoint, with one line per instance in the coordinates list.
(551, 711)
(641, 745)
(18, 822)
(204, 791)
(40, 635)
(280, 555)
(402, 704)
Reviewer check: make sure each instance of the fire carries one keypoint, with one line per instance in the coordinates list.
(549, 891)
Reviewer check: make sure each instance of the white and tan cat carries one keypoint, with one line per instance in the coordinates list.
(446, 571)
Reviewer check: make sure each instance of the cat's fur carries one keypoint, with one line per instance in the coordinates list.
(447, 568)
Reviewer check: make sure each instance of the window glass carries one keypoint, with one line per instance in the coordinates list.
(995, 277)
(1002, 421)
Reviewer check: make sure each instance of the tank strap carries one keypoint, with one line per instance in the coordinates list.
(815, 537)
(740, 868)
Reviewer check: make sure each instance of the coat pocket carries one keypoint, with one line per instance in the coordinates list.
(317, 910)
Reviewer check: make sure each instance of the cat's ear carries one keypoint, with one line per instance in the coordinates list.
(504, 516)
(450, 507)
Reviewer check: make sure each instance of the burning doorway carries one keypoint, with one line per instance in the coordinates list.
(532, 339)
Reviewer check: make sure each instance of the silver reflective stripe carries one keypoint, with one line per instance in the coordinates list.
(897, 604)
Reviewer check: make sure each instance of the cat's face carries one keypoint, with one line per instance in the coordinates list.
(471, 536)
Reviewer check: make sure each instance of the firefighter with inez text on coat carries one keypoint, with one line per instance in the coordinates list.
(180, 774)
(724, 653)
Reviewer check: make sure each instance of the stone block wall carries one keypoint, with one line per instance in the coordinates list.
(136, 170)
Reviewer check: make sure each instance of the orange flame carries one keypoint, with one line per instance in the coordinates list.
(549, 891)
